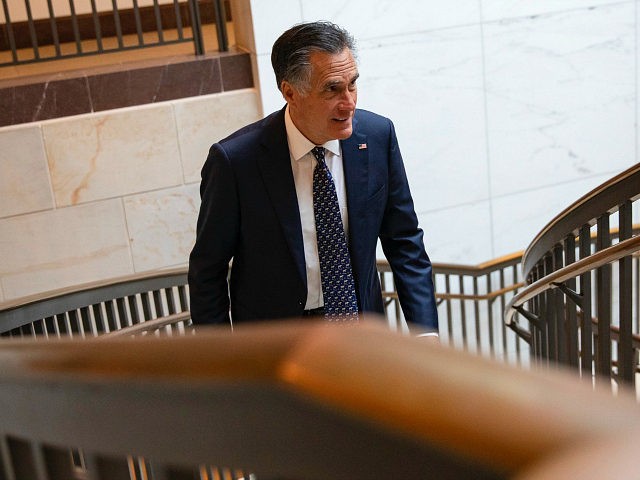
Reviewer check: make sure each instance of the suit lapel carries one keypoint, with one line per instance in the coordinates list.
(356, 172)
(275, 167)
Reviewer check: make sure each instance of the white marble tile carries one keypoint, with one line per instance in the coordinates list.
(24, 177)
(63, 247)
(519, 217)
(560, 97)
(365, 19)
(501, 9)
(460, 234)
(162, 226)
(434, 95)
(202, 121)
(111, 154)
(271, 19)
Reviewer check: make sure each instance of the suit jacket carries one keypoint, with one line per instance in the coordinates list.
(250, 214)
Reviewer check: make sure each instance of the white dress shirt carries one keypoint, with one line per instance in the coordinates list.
(302, 164)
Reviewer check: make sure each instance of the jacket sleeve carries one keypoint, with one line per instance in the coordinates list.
(216, 238)
(402, 243)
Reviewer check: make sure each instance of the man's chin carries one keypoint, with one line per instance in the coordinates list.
(344, 132)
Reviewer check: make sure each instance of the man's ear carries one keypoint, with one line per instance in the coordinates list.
(288, 91)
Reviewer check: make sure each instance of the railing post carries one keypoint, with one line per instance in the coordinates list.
(221, 25)
(196, 27)
(586, 327)
(603, 300)
(559, 310)
(549, 313)
(571, 317)
(626, 370)
(9, 27)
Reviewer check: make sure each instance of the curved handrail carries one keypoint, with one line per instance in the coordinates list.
(598, 259)
(456, 268)
(149, 325)
(601, 199)
(302, 401)
(16, 313)
(92, 286)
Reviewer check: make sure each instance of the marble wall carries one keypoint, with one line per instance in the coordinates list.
(106, 194)
(506, 110)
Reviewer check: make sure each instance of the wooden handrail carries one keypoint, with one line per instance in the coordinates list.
(598, 259)
(149, 325)
(110, 283)
(281, 398)
(457, 269)
(605, 197)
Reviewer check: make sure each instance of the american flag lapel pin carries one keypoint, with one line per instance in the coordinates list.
(362, 146)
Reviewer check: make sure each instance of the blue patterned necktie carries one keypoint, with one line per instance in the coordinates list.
(338, 287)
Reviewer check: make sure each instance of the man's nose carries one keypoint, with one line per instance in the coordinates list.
(348, 100)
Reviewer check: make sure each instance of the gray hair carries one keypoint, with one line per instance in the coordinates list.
(292, 50)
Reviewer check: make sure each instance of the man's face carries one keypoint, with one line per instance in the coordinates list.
(325, 111)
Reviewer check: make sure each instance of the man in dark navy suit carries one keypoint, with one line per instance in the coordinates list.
(259, 208)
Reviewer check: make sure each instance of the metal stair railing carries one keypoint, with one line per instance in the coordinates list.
(299, 401)
(99, 308)
(581, 307)
(38, 31)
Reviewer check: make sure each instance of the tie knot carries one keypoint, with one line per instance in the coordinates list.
(318, 152)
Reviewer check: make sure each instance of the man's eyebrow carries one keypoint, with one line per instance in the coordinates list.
(332, 83)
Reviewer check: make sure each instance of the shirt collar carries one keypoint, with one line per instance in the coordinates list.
(299, 145)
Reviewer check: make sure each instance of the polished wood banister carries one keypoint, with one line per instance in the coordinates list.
(598, 259)
(585, 210)
(497, 418)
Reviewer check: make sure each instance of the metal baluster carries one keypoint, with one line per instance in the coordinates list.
(586, 327)
(538, 307)
(111, 315)
(603, 301)
(116, 23)
(196, 27)
(171, 301)
(157, 301)
(463, 314)
(184, 298)
(146, 306)
(514, 275)
(54, 28)
(100, 319)
(9, 30)
(74, 23)
(447, 283)
(626, 359)
(136, 14)
(96, 25)
(221, 25)
(571, 320)
(32, 30)
(547, 312)
(476, 314)
(492, 350)
(559, 310)
(156, 9)
(178, 13)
